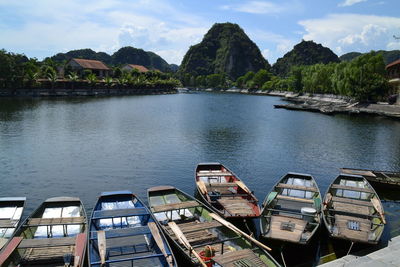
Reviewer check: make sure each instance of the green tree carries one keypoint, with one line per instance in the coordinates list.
(261, 77)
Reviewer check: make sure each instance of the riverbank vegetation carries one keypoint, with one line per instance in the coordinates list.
(17, 72)
(364, 78)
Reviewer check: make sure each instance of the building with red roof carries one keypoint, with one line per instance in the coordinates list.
(393, 70)
(140, 68)
(95, 66)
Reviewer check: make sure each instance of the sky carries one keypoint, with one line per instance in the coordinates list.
(42, 28)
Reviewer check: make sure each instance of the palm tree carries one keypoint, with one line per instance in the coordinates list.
(73, 78)
(92, 80)
(52, 77)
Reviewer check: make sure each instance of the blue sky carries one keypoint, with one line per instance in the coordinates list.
(41, 28)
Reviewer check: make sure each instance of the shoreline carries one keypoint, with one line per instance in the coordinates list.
(321, 103)
(42, 92)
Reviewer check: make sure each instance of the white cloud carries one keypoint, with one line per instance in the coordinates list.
(350, 2)
(47, 27)
(263, 7)
(352, 32)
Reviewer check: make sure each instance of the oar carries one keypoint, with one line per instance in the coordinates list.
(378, 206)
(202, 187)
(157, 237)
(237, 230)
(182, 238)
(101, 240)
(327, 199)
(245, 188)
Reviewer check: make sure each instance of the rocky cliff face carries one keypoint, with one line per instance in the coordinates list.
(304, 53)
(224, 49)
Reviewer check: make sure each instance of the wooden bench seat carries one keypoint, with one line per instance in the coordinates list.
(352, 188)
(221, 185)
(203, 174)
(56, 221)
(176, 206)
(298, 199)
(196, 232)
(8, 223)
(353, 201)
(234, 259)
(47, 242)
(297, 187)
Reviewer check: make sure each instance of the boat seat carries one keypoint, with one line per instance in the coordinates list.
(352, 201)
(222, 185)
(47, 242)
(352, 188)
(243, 257)
(108, 214)
(305, 200)
(55, 221)
(297, 187)
(176, 206)
(8, 223)
(203, 174)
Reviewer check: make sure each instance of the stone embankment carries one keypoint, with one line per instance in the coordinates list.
(331, 104)
(388, 256)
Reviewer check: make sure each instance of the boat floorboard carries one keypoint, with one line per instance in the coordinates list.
(244, 257)
(351, 208)
(342, 221)
(48, 253)
(236, 206)
(352, 201)
(196, 232)
(277, 232)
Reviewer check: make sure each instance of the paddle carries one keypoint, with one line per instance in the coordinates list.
(245, 188)
(157, 237)
(378, 206)
(182, 238)
(328, 199)
(101, 240)
(202, 187)
(235, 229)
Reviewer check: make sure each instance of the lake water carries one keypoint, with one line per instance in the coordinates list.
(83, 146)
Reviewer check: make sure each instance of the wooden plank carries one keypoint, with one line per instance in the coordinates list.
(181, 237)
(351, 208)
(56, 221)
(297, 187)
(204, 174)
(358, 172)
(160, 242)
(48, 254)
(101, 241)
(9, 249)
(197, 226)
(47, 242)
(352, 201)
(176, 206)
(378, 206)
(276, 232)
(305, 200)
(237, 206)
(222, 185)
(341, 222)
(352, 188)
(80, 248)
(233, 258)
(8, 223)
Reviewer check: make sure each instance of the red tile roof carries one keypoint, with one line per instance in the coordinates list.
(91, 64)
(140, 68)
(393, 63)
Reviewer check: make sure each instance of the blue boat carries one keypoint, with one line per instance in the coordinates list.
(123, 232)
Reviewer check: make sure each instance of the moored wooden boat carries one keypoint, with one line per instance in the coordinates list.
(11, 209)
(353, 211)
(123, 232)
(224, 192)
(204, 237)
(54, 235)
(291, 212)
(387, 179)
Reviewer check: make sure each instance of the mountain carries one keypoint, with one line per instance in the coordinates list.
(224, 49)
(174, 67)
(125, 55)
(83, 53)
(388, 56)
(304, 53)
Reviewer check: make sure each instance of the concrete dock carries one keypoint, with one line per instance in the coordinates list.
(388, 256)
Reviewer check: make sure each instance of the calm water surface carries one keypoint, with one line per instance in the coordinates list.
(83, 146)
